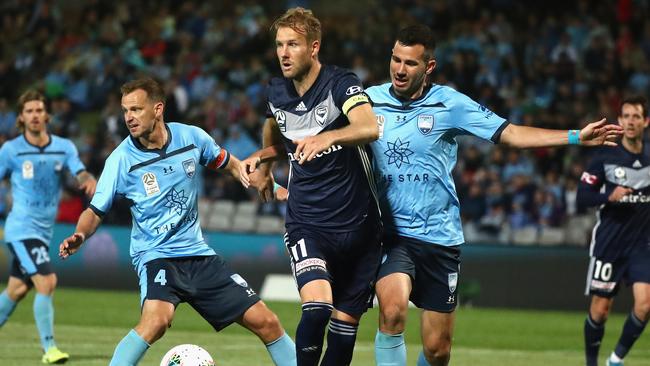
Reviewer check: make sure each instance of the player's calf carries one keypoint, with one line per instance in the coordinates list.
(310, 332)
(341, 337)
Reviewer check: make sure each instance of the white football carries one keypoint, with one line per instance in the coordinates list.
(187, 355)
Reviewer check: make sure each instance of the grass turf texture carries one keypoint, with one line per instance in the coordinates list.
(89, 323)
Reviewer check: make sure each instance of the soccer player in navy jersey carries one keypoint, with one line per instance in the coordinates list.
(617, 180)
(320, 116)
(35, 161)
(155, 169)
(413, 161)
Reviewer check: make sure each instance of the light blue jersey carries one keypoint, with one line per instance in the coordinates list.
(36, 176)
(414, 157)
(162, 186)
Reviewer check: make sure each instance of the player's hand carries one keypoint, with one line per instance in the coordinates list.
(89, 187)
(600, 133)
(618, 193)
(246, 167)
(263, 182)
(307, 148)
(282, 194)
(70, 245)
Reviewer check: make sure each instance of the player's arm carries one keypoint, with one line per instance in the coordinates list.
(362, 129)
(87, 182)
(594, 134)
(86, 226)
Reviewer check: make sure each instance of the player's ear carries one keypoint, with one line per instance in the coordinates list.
(315, 47)
(431, 65)
(159, 109)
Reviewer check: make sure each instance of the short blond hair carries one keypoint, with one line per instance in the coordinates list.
(28, 96)
(302, 21)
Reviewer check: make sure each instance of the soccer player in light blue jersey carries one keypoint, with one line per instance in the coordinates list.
(155, 169)
(413, 161)
(35, 161)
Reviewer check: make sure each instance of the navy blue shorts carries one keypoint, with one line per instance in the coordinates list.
(30, 257)
(434, 271)
(219, 295)
(348, 260)
(605, 275)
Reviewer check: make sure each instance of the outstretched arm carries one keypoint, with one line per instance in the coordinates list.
(86, 226)
(361, 130)
(594, 134)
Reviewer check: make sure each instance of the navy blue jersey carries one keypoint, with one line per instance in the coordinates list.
(621, 225)
(333, 191)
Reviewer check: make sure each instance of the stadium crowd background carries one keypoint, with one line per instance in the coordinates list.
(555, 64)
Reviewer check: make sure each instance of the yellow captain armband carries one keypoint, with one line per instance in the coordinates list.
(354, 101)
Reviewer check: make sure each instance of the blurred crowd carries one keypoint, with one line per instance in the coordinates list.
(553, 64)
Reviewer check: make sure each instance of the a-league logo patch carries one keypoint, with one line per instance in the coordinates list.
(425, 123)
(452, 281)
(321, 114)
(28, 170)
(150, 184)
(190, 167)
(239, 280)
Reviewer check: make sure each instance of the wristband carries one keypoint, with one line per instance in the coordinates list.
(574, 137)
(276, 187)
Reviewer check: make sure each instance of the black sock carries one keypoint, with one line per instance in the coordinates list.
(632, 329)
(340, 343)
(593, 335)
(310, 332)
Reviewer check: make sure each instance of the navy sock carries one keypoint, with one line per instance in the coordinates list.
(340, 343)
(593, 335)
(310, 332)
(632, 329)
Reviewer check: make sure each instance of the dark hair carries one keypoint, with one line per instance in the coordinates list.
(418, 34)
(636, 100)
(302, 21)
(28, 96)
(155, 91)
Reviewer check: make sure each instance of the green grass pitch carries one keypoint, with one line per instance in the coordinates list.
(90, 323)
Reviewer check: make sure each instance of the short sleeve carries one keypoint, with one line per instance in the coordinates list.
(475, 119)
(72, 161)
(348, 93)
(210, 150)
(107, 185)
(5, 160)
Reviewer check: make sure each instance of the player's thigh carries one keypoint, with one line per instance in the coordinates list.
(260, 320)
(435, 286)
(354, 264)
(161, 279)
(394, 280)
(30, 257)
(157, 314)
(437, 328)
(17, 288)
(316, 290)
(393, 293)
(218, 294)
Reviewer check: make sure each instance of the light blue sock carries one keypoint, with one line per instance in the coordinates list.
(283, 351)
(422, 361)
(390, 350)
(7, 307)
(44, 316)
(130, 350)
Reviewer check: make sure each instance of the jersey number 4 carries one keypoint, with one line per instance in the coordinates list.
(161, 277)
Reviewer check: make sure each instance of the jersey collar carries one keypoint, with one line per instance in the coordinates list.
(407, 102)
(40, 148)
(160, 151)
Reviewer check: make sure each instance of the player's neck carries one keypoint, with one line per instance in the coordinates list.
(40, 138)
(633, 145)
(156, 139)
(304, 83)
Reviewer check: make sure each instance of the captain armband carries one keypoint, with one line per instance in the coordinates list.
(354, 101)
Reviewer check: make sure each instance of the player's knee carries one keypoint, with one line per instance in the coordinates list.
(393, 317)
(18, 292)
(269, 326)
(46, 284)
(642, 309)
(153, 328)
(437, 348)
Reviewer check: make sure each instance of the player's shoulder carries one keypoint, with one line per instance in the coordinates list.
(379, 92)
(13, 143)
(61, 142)
(447, 95)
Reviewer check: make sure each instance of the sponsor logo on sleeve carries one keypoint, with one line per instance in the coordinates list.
(354, 89)
(589, 178)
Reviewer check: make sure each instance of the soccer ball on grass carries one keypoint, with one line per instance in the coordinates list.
(187, 355)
